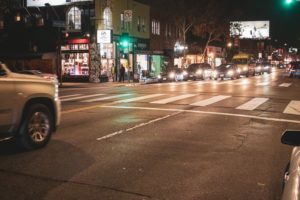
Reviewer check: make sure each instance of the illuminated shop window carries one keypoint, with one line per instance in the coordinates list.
(74, 19)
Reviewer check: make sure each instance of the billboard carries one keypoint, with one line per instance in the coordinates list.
(250, 29)
(41, 3)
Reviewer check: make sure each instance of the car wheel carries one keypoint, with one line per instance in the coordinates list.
(36, 128)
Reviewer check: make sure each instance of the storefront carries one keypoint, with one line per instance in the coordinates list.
(107, 52)
(75, 59)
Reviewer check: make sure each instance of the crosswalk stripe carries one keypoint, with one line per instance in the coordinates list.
(172, 99)
(285, 85)
(252, 104)
(106, 98)
(139, 98)
(67, 96)
(263, 84)
(209, 101)
(293, 108)
(82, 97)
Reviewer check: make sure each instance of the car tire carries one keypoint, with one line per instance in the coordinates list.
(36, 128)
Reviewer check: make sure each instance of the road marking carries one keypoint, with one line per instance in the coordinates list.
(139, 98)
(209, 101)
(263, 84)
(82, 97)
(67, 96)
(106, 98)
(252, 104)
(285, 85)
(135, 127)
(293, 108)
(172, 99)
(205, 112)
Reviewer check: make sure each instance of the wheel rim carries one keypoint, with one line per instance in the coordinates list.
(38, 127)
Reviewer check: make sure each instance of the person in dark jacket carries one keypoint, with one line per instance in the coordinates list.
(122, 73)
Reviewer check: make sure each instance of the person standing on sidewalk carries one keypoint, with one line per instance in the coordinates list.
(113, 73)
(122, 73)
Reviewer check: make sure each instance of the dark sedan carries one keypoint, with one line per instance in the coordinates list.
(226, 71)
(199, 71)
(294, 69)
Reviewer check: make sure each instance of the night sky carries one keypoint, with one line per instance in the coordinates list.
(285, 20)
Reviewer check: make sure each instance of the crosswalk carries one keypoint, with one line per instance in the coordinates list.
(196, 100)
(243, 82)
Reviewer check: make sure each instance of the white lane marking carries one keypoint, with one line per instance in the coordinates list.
(106, 98)
(135, 127)
(252, 104)
(172, 99)
(263, 84)
(139, 98)
(285, 85)
(67, 96)
(209, 101)
(206, 112)
(293, 108)
(82, 97)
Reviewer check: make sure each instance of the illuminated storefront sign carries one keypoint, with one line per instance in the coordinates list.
(104, 36)
(41, 3)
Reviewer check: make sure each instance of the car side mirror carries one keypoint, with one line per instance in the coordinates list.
(290, 137)
(2, 72)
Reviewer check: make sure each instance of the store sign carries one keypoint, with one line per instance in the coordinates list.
(104, 36)
(128, 15)
(41, 3)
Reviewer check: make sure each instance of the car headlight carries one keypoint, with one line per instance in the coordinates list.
(185, 73)
(215, 73)
(159, 76)
(245, 68)
(259, 68)
(267, 67)
(199, 71)
(238, 70)
(172, 75)
(230, 72)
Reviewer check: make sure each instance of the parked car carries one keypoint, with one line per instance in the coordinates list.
(39, 73)
(29, 108)
(294, 69)
(291, 189)
(226, 71)
(199, 71)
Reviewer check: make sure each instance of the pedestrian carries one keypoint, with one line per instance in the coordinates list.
(122, 73)
(113, 73)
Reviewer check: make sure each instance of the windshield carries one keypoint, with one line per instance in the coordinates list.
(240, 61)
(224, 66)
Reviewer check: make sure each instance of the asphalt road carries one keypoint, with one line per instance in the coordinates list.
(196, 140)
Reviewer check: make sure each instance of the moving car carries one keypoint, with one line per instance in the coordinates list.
(291, 189)
(199, 71)
(263, 67)
(226, 71)
(39, 73)
(173, 74)
(294, 69)
(29, 108)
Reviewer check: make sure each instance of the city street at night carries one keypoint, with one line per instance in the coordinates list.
(180, 140)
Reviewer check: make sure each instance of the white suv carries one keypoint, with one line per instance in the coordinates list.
(29, 108)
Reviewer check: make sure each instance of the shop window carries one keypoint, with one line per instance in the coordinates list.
(122, 21)
(74, 19)
(107, 17)
(143, 25)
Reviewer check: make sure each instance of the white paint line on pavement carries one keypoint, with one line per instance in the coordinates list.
(293, 108)
(252, 104)
(209, 101)
(172, 99)
(106, 98)
(82, 97)
(135, 127)
(67, 96)
(263, 84)
(206, 112)
(285, 85)
(139, 98)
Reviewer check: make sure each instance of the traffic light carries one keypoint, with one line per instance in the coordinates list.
(288, 1)
(124, 40)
